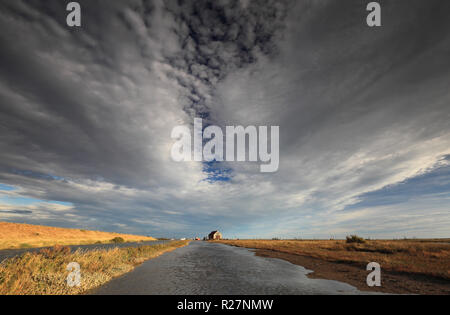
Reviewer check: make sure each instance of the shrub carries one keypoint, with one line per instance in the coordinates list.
(355, 239)
(118, 240)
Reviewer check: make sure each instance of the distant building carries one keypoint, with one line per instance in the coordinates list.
(215, 235)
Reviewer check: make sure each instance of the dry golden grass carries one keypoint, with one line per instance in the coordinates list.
(421, 257)
(44, 272)
(15, 235)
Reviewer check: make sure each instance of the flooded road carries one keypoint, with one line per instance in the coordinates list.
(210, 268)
(8, 253)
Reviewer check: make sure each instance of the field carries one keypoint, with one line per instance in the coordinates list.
(426, 263)
(45, 272)
(14, 235)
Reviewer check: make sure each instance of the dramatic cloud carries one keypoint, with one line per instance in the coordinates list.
(86, 116)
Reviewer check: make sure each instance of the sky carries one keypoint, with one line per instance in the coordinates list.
(86, 115)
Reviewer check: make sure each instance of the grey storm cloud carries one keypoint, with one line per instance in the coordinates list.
(86, 113)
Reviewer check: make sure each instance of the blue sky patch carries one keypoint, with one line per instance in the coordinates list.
(436, 181)
(6, 187)
(216, 172)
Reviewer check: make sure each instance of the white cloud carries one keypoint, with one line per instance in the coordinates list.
(96, 109)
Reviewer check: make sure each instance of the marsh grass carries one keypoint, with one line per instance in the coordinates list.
(355, 239)
(44, 272)
(15, 235)
(420, 257)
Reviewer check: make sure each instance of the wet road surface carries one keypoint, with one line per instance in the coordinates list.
(8, 253)
(210, 268)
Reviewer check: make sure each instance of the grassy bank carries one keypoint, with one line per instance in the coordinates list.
(418, 257)
(15, 235)
(45, 272)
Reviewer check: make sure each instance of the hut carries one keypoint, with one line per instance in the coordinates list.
(215, 235)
